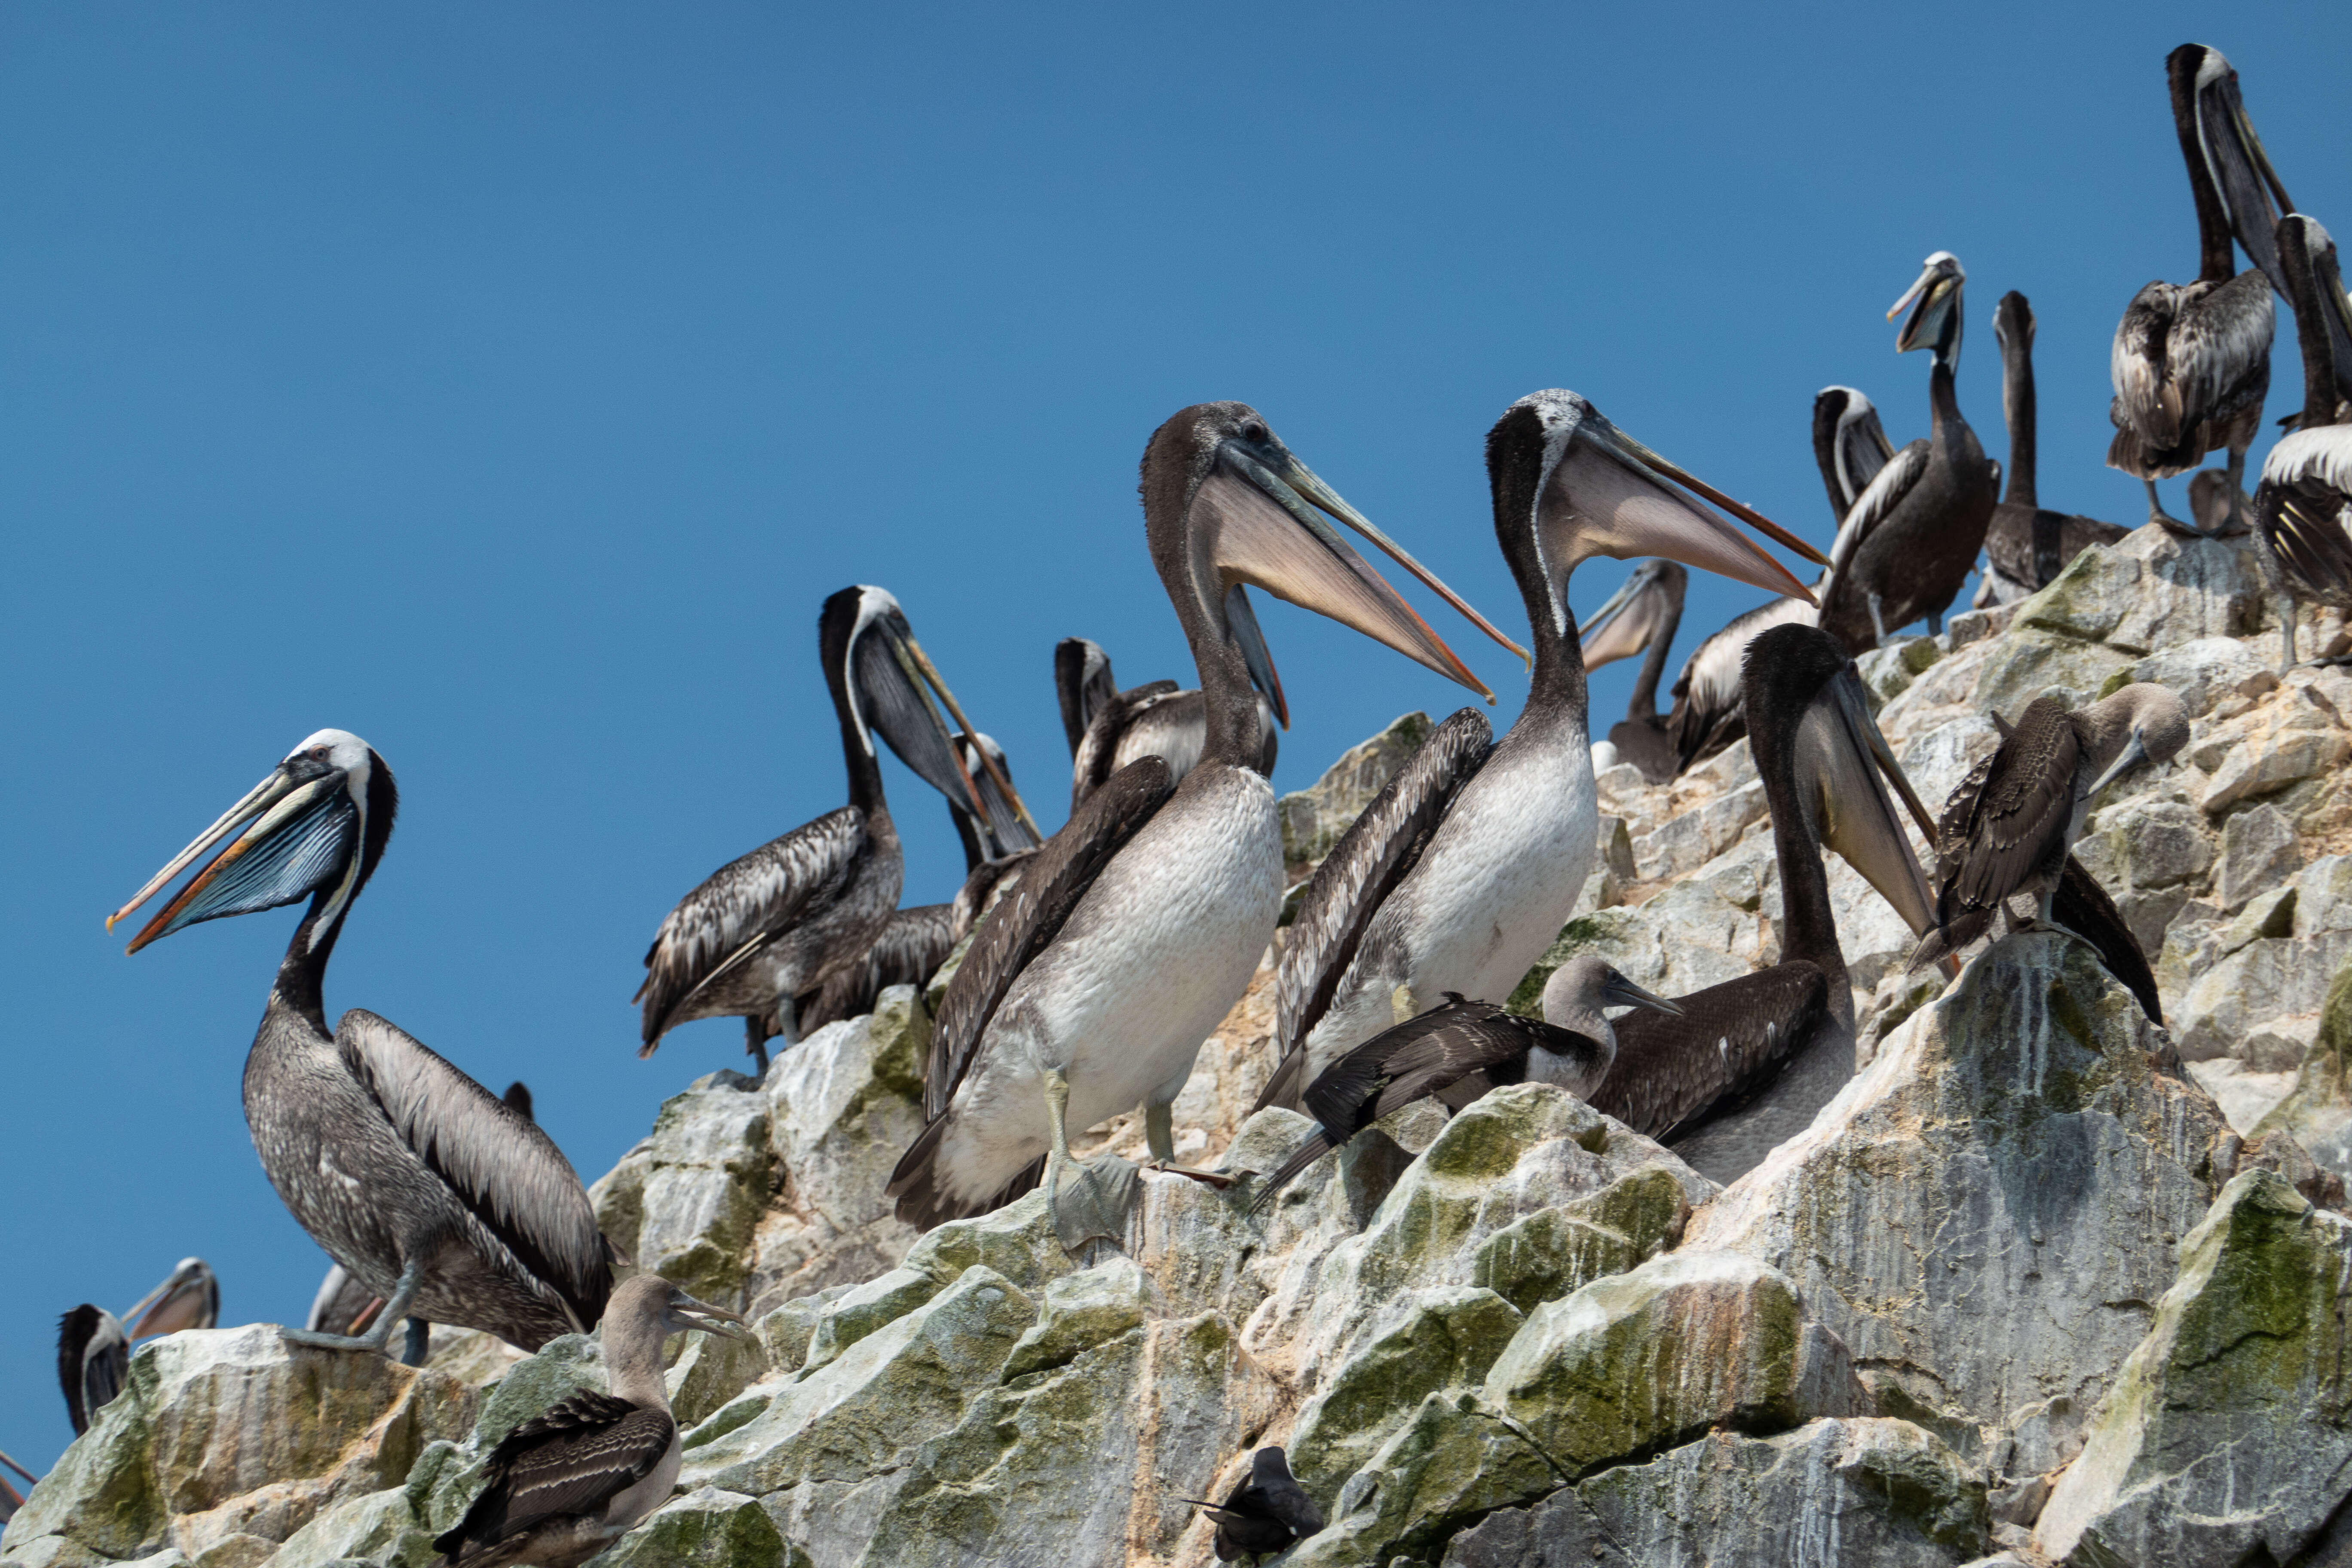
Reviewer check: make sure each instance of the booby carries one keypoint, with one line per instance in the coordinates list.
(2192, 362)
(1460, 1049)
(1911, 537)
(562, 1487)
(412, 1177)
(773, 924)
(1746, 1064)
(1108, 727)
(2009, 828)
(1850, 448)
(1137, 927)
(2026, 544)
(1641, 618)
(1464, 868)
(1267, 1512)
(2303, 508)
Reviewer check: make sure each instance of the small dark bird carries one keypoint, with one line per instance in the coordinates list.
(2027, 544)
(562, 1487)
(1265, 1514)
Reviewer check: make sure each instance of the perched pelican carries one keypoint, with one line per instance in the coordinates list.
(2192, 362)
(1910, 540)
(2011, 826)
(1458, 1050)
(562, 1487)
(1138, 924)
(772, 925)
(1640, 617)
(1850, 447)
(2027, 545)
(1006, 829)
(189, 1297)
(1265, 1514)
(1109, 728)
(2302, 507)
(94, 1349)
(1746, 1064)
(411, 1175)
(1464, 869)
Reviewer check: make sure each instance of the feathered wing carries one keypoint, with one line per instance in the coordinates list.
(1880, 497)
(2300, 510)
(913, 944)
(2020, 813)
(1098, 753)
(1371, 858)
(2146, 407)
(572, 1461)
(740, 906)
(2083, 906)
(501, 1166)
(1709, 711)
(1674, 1073)
(2186, 359)
(93, 1359)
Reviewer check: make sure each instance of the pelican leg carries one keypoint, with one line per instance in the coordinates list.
(419, 1343)
(755, 1042)
(2286, 633)
(1160, 1132)
(396, 1307)
(2157, 515)
(2237, 523)
(1099, 1192)
(1878, 618)
(1936, 624)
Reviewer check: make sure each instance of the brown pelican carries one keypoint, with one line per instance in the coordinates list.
(94, 1349)
(1640, 617)
(189, 1297)
(772, 925)
(1911, 537)
(1138, 924)
(2011, 826)
(412, 1177)
(1850, 447)
(1458, 1050)
(1109, 728)
(562, 1487)
(2027, 545)
(1265, 1514)
(1464, 869)
(1006, 829)
(1746, 1064)
(2302, 507)
(2192, 362)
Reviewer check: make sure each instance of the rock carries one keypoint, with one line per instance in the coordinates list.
(2318, 1110)
(2151, 590)
(1314, 818)
(2028, 663)
(1080, 1312)
(1976, 626)
(706, 1528)
(1690, 840)
(1556, 1251)
(2206, 671)
(1888, 671)
(2294, 736)
(2227, 1434)
(683, 1202)
(1428, 1340)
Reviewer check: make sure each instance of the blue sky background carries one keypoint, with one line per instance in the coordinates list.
(510, 384)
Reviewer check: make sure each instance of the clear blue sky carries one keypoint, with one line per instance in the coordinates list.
(510, 384)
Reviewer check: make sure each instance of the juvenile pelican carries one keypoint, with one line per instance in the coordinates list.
(1640, 617)
(413, 1177)
(2302, 509)
(1109, 728)
(1463, 870)
(2026, 544)
(1138, 926)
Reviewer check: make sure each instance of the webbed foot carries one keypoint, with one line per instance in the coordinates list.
(1092, 1198)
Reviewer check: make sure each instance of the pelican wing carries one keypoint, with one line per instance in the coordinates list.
(1031, 914)
(1363, 868)
(2083, 906)
(93, 1359)
(742, 905)
(1097, 755)
(571, 1462)
(2300, 510)
(1879, 498)
(1674, 1073)
(2221, 340)
(913, 944)
(2146, 403)
(499, 1163)
(2018, 813)
(1710, 711)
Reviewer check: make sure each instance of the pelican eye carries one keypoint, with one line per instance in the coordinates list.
(1255, 432)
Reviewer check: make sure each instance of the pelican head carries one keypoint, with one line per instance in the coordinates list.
(320, 823)
(1849, 445)
(189, 1298)
(1935, 302)
(1623, 625)
(2205, 84)
(1000, 832)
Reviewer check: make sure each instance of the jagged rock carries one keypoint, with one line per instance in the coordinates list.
(2228, 1434)
(1558, 1251)
(2153, 589)
(1861, 1491)
(2207, 671)
(1888, 671)
(2294, 735)
(1314, 818)
(684, 1202)
(706, 1528)
(1428, 1340)
(2318, 1110)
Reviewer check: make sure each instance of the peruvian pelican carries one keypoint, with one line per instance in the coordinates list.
(1108, 729)
(2026, 544)
(1641, 618)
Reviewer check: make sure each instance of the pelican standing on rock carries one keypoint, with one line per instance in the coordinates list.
(413, 1177)
(775, 924)
(1108, 727)
(1743, 1066)
(1909, 541)
(2302, 509)
(2027, 545)
(1463, 870)
(1640, 617)
(1137, 927)
(562, 1487)
(2192, 362)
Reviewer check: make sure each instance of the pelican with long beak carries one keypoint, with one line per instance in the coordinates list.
(775, 924)
(1641, 618)
(1464, 869)
(189, 1297)
(427, 1188)
(1137, 927)
(1108, 729)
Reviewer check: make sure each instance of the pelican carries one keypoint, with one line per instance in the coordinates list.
(1459, 1049)
(1910, 540)
(413, 1177)
(2027, 545)
(1109, 728)
(1005, 830)
(189, 1297)
(1266, 1512)
(1138, 926)
(1640, 617)
(1850, 447)
(561, 1487)
(2302, 507)
(774, 925)
(2192, 362)
(1746, 1064)
(94, 1349)
(1464, 869)
(2010, 827)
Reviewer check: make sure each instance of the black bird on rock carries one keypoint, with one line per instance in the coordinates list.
(1267, 1512)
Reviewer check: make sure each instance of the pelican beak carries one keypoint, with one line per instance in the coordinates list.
(1619, 991)
(1857, 819)
(684, 1314)
(1243, 621)
(1935, 292)
(1627, 635)
(300, 809)
(2134, 752)
(181, 1301)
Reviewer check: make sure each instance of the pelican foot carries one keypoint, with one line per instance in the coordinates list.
(311, 1338)
(1093, 1199)
(395, 1307)
(2172, 524)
